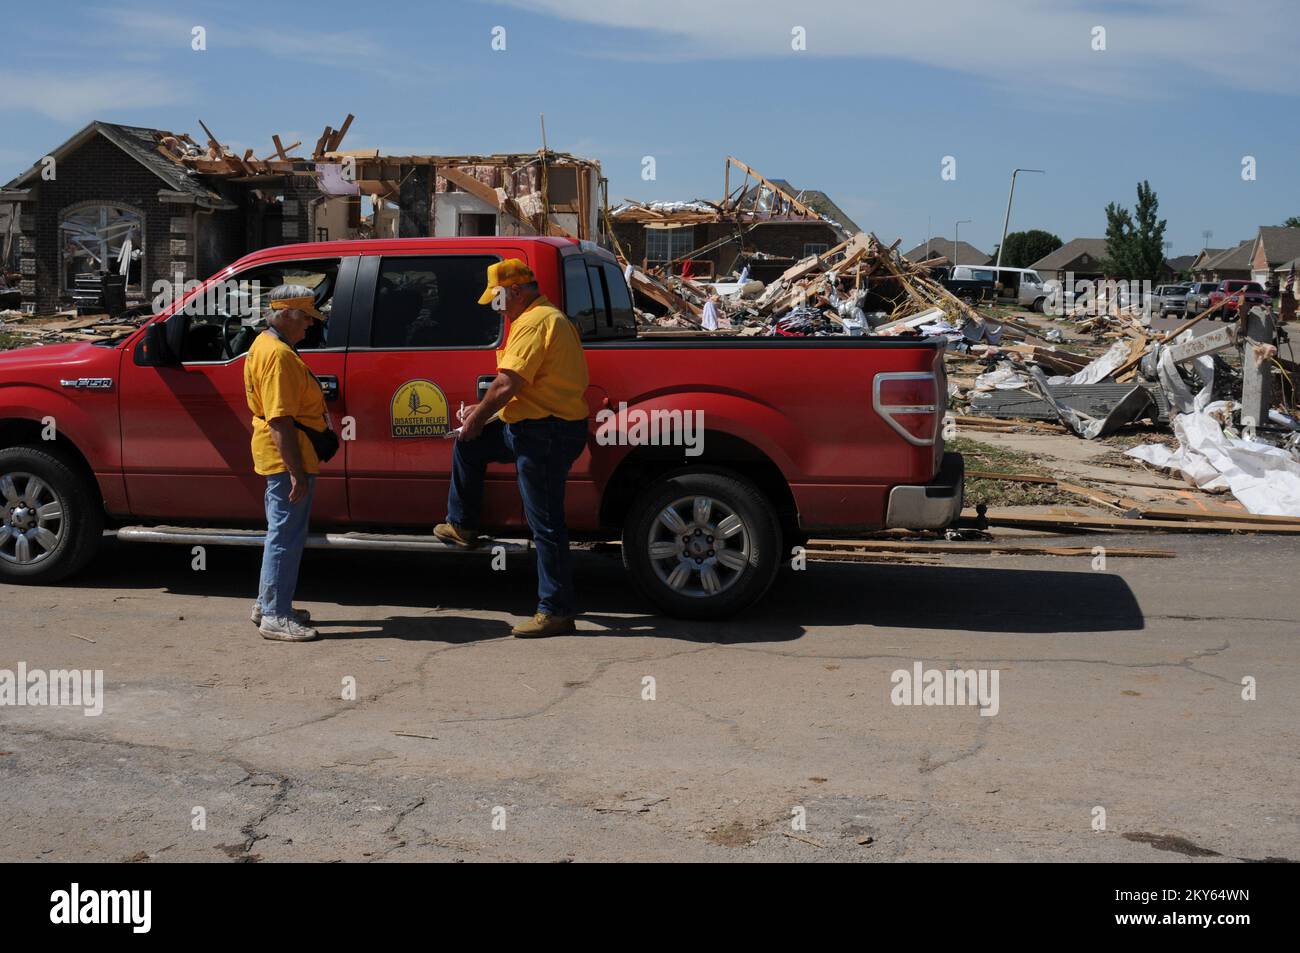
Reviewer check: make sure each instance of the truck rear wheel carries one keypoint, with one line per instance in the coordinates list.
(51, 519)
(702, 544)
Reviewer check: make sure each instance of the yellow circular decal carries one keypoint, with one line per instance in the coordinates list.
(419, 409)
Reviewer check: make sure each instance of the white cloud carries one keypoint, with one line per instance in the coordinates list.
(69, 96)
(290, 40)
(1150, 47)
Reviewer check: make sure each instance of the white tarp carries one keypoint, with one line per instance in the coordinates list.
(1264, 478)
(1098, 370)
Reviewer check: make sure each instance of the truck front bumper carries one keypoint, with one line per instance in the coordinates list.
(932, 506)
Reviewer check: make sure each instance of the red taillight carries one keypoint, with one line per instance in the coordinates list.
(909, 402)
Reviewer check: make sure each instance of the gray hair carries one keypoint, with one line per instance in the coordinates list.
(286, 292)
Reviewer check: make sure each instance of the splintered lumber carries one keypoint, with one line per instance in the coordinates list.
(664, 296)
(337, 138)
(979, 549)
(857, 556)
(1220, 514)
(1034, 478)
(1066, 522)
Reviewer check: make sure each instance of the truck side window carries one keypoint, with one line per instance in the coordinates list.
(577, 296)
(225, 317)
(431, 301)
(622, 317)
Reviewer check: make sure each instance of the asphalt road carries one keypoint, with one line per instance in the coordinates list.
(1119, 690)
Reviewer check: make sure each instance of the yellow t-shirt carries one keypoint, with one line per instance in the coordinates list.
(545, 350)
(278, 384)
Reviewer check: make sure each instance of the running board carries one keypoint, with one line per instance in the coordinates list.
(389, 542)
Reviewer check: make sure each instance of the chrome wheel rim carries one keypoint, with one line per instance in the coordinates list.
(699, 546)
(31, 519)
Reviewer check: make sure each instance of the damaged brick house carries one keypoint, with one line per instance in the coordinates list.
(109, 200)
(766, 224)
(152, 206)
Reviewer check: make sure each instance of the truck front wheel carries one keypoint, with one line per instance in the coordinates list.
(701, 544)
(51, 518)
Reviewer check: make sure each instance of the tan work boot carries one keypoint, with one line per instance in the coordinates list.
(543, 625)
(457, 535)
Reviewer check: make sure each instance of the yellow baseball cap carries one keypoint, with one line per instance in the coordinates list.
(503, 274)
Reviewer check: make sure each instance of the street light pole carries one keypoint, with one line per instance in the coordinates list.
(956, 234)
(1007, 219)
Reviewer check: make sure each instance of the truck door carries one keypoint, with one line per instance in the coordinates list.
(186, 428)
(420, 343)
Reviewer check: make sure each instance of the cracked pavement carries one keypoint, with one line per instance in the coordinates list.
(1118, 689)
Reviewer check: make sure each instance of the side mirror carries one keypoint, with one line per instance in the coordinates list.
(156, 348)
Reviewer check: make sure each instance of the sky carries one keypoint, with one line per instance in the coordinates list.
(871, 102)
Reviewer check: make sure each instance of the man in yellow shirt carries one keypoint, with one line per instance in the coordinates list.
(284, 396)
(539, 397)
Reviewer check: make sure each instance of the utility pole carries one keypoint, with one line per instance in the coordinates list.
(956, 234)
(1007, 219)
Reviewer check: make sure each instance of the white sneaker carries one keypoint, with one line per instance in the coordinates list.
(280, 629)
(299, 615)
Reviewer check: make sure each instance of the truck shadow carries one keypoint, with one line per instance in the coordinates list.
(942, 597)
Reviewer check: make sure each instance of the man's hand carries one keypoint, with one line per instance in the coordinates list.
(463, 414)
(470, 430)
(297, 486)
(504, 386)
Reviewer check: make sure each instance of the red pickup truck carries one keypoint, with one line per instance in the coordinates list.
(1233, 291)
(148, 434)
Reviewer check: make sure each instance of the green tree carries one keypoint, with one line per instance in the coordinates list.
(1135, 241)
(1025, 248)
(1292, 222)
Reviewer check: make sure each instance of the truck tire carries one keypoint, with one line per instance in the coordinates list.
(51, 517)
(702, 544)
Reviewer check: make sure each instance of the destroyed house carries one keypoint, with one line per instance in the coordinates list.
(534, 193)
(137, 206)
(766, 225)
(113, 200)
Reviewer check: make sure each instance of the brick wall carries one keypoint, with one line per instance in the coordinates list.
(97, 172)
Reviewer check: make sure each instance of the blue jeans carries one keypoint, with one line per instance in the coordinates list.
(286, 536)
(542, 451)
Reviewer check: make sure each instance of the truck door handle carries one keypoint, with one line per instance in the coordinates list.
(484, 382)
(329, 384)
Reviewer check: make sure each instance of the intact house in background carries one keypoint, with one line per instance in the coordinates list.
(763, 224)
(136, 205)
(1274, 252)
(940, 251)
(1229, 263)
(1082, 257)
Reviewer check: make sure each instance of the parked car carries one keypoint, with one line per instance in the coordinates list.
(1230, 293)
(800, 436)
(970, 283)
(1198, 297)
(1169, 299)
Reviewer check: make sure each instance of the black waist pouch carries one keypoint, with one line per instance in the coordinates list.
(324, 442)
